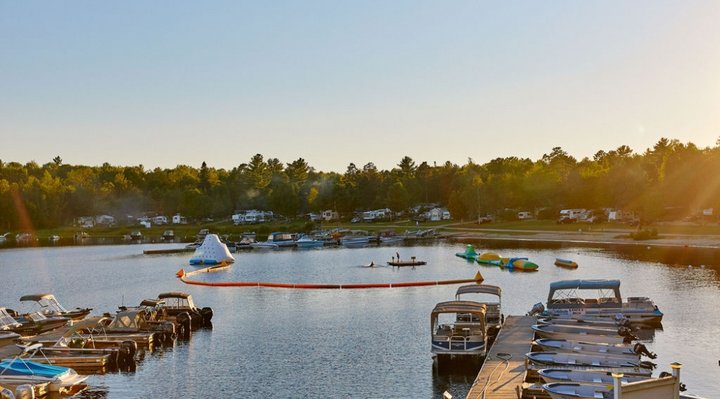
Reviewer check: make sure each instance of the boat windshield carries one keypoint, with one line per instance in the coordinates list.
(6, 320)
(51, 305)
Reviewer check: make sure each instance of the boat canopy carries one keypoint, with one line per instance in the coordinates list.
(37, 297)
(573, 285)
(152, 302)
(131, 319)
(460, 307)
(479, 289)
(174, 294)
(585, 284)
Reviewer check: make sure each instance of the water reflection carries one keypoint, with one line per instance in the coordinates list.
(457, 379)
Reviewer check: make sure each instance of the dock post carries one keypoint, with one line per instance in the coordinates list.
(617, 385)
(676, 373)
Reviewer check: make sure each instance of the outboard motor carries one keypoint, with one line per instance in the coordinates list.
(7, 394)
(641, 349)
(207, 314)
(648, 365)
(664, 374)
(536, 309)
(627, 334)
(24, 391)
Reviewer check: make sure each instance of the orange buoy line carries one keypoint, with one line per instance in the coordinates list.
(182, 275)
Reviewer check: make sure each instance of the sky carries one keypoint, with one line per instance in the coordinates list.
(162, 83)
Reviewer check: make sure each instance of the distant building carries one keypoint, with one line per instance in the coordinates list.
(330, 215)
(179, 219)
(438, 214)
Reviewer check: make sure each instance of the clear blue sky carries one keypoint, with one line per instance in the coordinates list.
(162, 83)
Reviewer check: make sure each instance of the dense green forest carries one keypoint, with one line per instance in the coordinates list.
(670, 178)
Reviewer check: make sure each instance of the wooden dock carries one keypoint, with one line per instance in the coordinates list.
(503, 373)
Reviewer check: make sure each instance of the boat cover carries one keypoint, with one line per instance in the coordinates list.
(585, 284)
(211, 252)
(479, 289)
(27, 367)
(37, 297)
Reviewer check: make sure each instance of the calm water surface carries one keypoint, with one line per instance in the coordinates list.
(276, 343)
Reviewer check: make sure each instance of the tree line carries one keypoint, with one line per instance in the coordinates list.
(669, 178)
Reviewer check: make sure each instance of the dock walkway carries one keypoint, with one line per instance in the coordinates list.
(503, 372)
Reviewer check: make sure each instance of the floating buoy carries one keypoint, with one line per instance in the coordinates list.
(182, 275)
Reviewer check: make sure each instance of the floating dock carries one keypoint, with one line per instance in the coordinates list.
(502, 375)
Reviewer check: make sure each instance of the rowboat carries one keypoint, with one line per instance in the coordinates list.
(585, 334)
(586, 360)
(586, 377)
(564, 345)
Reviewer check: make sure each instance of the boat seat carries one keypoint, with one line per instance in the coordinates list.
(595, 362)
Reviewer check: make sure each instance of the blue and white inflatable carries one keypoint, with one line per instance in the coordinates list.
(212, 252)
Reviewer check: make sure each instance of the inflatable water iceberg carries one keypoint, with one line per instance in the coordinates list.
(212, 252)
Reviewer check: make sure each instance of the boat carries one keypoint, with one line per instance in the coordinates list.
(390, 240)
(212, 252)
(586, 360)
(132, 324)
(136, 235)
(585, 334)
(25, 238)
(598, 298)
(85, 360)
(469, 253)
(494, 318)
(3, 237)
(458, 331)
(179, 302)
(402, 263)
(276, 239)
(606, 322)
(168, 235)
(356, 238)
(587, 377)
(489, 258)
(308, 242)
(30, 323)
(566, 263)
(8, 337)
(64, 380)
(50, 306)
(54, 238)
(563, 390)
(564, 345)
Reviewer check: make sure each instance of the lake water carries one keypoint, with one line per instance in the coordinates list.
(279, 343)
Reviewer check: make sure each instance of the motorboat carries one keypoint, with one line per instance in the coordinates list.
(356, 238)
(50, 306)
(458, 331)
(570, 264)
(136, 235)
(563, 345)
(168, 235)
(469, 253)
(586, 377)
(491, 296)
(132, 324)
(30, 323)
(309, 242)
(63, 380)
(585, 334)
(585, 360)
(25, 238)
(179, 302)
(8, 337)
(390, 238)
(598, 298)
(86, 360)
(276, 239)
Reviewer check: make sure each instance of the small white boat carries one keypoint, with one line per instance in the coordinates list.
(390, 240)
(276, 240)
(19, 371)
(309, 242)
(563, 345)
(586, 377)
(586, 360)
(356, 238)
(585, 334)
